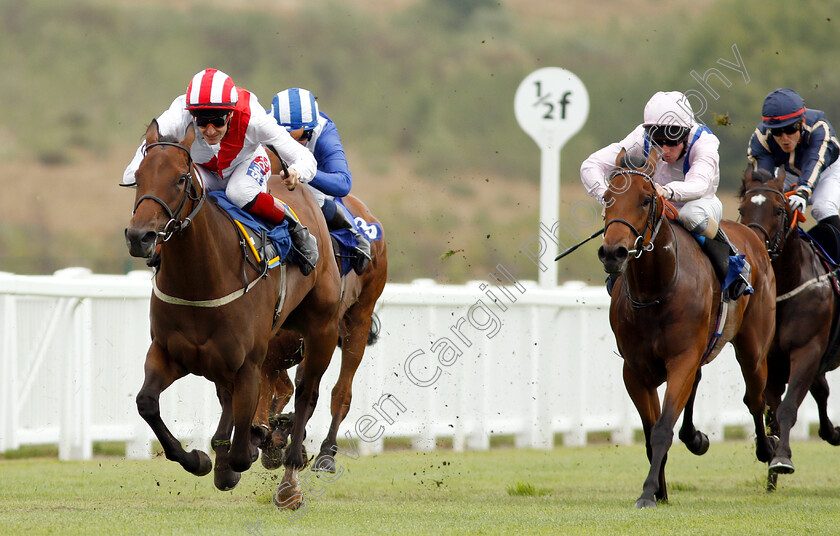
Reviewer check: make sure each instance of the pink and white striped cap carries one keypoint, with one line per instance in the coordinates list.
(211, 88)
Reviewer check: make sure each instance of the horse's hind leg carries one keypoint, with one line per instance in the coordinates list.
(751, 345)
(160, 372)
(819, 390)
(696, 441)
(355, 326)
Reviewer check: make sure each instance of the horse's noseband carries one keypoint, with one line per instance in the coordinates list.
(175, 223)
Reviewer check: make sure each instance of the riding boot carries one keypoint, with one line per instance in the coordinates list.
(340, 220)
(834, 221)
(274, 211)
(721, 252)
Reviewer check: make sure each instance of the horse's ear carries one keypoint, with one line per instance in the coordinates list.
(748, 173)
(619, 159)
(781, 175)
(652, 159)
(152, 133)
(189, 136)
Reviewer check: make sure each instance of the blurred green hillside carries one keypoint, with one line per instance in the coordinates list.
(421, 90)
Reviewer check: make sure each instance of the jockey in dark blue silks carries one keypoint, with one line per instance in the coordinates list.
(297, 110)
(687, 173)
(803, 142)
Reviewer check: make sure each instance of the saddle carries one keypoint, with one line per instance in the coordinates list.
(344, 243)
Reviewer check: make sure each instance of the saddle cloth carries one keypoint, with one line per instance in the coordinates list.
(344, 241)
(280, 243)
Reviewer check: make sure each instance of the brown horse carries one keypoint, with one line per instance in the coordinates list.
(203, 321)
(358, 298)
(663, 313)
(807, 308)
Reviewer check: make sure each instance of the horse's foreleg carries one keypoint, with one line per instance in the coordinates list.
(696, 441)
(224, 477)
(160, 372)
(646, 400)
(819, 390)
(246, 390)
(803, 368)
(356, 325)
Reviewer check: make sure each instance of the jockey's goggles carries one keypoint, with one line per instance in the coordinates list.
(668, 141)
(301, 135)
(789, 130)
(217, 118)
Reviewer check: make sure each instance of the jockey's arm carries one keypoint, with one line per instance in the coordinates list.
(333, 176)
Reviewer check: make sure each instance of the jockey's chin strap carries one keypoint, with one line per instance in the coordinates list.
(191, 192)
(776, 243)
(639, 246)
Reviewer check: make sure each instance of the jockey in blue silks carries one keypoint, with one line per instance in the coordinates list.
(297, 110)
(803, 142)
(688, 174)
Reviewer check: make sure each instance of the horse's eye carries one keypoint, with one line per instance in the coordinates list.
(647, 201)
(182, 179)
(779, 211)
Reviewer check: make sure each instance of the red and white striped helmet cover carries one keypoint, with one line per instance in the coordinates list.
(211, 88)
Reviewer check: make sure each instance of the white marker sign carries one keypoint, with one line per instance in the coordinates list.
(551, 105)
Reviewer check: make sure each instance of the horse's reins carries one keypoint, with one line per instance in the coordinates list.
(639, 245)
(175, 224)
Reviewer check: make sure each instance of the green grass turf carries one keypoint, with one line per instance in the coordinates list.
(588, 490)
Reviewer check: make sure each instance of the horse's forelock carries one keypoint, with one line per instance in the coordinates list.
(633, 161)
(758, 175)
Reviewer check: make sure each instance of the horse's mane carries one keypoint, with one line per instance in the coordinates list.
(761, 175)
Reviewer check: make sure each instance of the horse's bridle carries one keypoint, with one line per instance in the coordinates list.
(775, 243)
(191, 192)
(639, 246)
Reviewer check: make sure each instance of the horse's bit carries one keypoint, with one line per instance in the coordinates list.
(175, 224)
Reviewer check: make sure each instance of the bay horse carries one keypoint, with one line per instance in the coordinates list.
(212, 313)
(357, 330)
(805, 346)
(663, 313)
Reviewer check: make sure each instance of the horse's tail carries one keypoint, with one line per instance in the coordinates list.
(373, 334)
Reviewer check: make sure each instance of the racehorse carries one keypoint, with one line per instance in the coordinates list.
(356, 330)
(213, 313)
(805, 346)
(663, 314)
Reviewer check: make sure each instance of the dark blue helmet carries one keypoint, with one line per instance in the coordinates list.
(782, 107)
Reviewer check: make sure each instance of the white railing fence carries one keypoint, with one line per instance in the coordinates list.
(462, 362)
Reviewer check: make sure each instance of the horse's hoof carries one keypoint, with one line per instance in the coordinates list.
(226, 480)
(324, 462)
(288, 496)
(700, 445)
(781, 465)
(202, 464)
(764, 453)
(832, 437)
(272, 457)
(240, 466)
(645, 503)
(772, 479)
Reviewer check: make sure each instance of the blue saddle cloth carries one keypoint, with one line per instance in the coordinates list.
(278, 234)
(347, 242)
